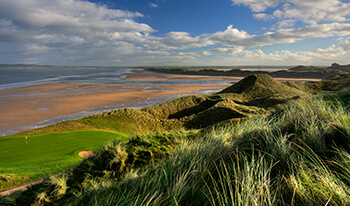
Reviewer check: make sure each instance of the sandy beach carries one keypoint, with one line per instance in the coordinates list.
(143, 75)
(27, 106)
(22, 108)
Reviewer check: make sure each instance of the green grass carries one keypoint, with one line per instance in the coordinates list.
(297, 153)
(304, 72)
(254, 95)
(46, 153)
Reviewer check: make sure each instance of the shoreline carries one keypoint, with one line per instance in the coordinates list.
(41, 105)
(145, 75)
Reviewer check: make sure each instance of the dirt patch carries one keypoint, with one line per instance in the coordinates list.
(86, 154)
(20, 188)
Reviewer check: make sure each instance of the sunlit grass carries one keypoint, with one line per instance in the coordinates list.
(23, 159)
(298, 153)
(276, 160)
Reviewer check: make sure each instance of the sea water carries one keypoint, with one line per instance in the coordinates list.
(15, 78)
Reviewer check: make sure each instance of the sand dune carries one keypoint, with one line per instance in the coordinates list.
(21, 108)
(29, 105)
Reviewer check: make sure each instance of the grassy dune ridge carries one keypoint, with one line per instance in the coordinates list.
(259, 95)
(272, 144)
(295, 72)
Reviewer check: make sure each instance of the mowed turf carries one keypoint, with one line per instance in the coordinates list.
(47, 153)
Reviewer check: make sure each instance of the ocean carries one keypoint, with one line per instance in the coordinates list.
(15, 78)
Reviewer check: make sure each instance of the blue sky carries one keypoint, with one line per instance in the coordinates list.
(175, 32)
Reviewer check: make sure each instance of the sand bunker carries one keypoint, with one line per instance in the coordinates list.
(86, 154)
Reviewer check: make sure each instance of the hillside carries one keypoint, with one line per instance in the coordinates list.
(295, 72)
(265, 143)
(254, 95)
(336, 82)
(334, 66)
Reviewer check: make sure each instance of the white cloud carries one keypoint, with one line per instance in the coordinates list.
(69, 13)
(287, 23)
(257, 5)
(262, 16)
(73, 32)
(60, 29)
(184, 40)
(316, 11)
(233, 37)
(187, 56)
(308, 11)
(34, 48)
(335, 53)
(71, 17)
(345, 44)
(139, 38)
(70, 32)
(172, 40)
(190, 54)
(226, 50)
(153, 5)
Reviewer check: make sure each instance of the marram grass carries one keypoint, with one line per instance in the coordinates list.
(263, 161)
(298, 155)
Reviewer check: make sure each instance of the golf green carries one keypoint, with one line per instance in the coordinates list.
(38, 155)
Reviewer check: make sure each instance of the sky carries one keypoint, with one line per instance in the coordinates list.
(175, 32)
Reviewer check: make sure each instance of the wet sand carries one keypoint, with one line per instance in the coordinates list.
(143, 75)
(24, 107)
(27, 106)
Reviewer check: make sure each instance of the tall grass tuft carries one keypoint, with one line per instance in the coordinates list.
(298, 155)
(60, 184)
(241, 181)
(315, 183)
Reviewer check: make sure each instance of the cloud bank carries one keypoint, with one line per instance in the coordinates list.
(72, 32)
(310, 11)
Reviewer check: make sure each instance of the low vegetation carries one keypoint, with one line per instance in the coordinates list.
(263, 143)
(255, 95)
(27, 158)
(296, 72)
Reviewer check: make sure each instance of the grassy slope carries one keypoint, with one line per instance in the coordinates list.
(260, 94)
(299, 155)
(261, 161)
(297, 72)
(46, 154)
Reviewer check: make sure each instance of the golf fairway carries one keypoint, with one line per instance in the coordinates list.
(39, 155)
